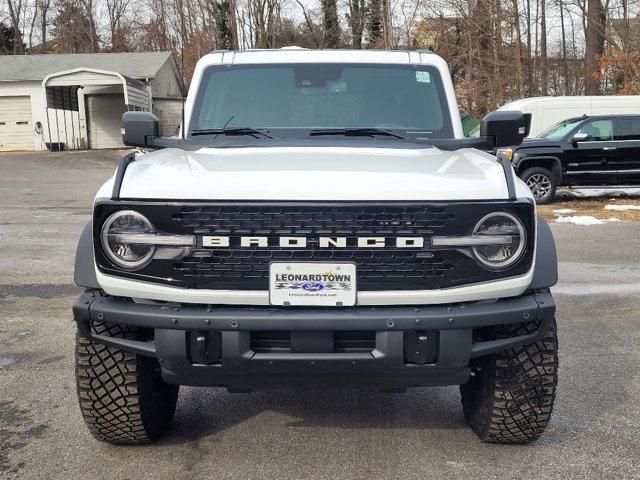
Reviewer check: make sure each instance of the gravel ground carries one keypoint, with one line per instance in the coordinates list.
(300, 434)
(624, 208)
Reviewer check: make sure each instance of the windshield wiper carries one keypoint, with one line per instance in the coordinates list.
(231, 131)
(355, 132)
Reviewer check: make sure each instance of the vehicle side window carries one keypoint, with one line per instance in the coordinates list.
(598, 131)
(628, 128)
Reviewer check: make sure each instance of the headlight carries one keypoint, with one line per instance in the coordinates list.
(122, 239)
(506, 240)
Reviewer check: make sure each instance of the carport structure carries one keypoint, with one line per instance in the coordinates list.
(84, 107)
(77, 100)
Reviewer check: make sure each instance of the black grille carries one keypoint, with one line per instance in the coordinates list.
(377, 269)
(283, 220)
(387, 268)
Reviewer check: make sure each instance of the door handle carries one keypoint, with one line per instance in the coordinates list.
(609, 149)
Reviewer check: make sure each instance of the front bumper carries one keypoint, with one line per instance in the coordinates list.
(411, 345)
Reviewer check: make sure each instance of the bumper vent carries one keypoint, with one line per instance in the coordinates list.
(349, 341)
(345, 341)
(271, 342)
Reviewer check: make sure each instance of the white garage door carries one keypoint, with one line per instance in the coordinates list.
(105, 116)
(16, 124)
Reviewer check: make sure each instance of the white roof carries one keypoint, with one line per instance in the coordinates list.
(523, 102)
(301, 55)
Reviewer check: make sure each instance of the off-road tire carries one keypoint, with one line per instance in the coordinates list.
(509, 399)
(122, 396)
(541, 172)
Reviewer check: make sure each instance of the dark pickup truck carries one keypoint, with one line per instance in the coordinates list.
(599, 150)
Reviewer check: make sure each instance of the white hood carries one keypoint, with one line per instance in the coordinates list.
(315, 173)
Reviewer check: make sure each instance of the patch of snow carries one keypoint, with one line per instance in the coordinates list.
(621, 208)
(563, 211)
(585, 220)
(598, 192)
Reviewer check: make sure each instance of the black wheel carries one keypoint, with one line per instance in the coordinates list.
(542, 183)
(122, 396)
(510, 397)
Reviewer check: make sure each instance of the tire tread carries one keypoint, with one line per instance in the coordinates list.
(511, 397)
(114, 394)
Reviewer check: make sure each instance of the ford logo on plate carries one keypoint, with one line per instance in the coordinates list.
(312, 286)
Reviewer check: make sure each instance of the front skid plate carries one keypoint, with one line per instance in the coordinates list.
(383, 367)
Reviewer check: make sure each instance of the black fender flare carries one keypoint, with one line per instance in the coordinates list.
(532, 159)
(545, 273)
(84, 271)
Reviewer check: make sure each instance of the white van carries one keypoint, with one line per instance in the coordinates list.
(547, 111)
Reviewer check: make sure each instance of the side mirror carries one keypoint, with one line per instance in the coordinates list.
(140, 129)
(503, 128)
(579, 137)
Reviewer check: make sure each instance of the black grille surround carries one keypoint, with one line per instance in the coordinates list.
(378, 269)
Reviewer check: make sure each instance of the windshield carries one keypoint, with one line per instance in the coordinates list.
(560, 129)
(294, 99)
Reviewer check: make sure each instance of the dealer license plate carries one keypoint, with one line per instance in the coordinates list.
(312, 284)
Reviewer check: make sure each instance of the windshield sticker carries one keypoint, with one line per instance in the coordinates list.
(423, 77)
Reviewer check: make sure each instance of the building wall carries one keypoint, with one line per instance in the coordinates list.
(165, 84)
(38, 103)
(167, 98)
(169, 111)
(76, 122)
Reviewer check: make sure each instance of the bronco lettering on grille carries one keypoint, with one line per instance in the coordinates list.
(302, 242)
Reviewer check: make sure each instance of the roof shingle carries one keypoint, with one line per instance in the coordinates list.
(15, 68)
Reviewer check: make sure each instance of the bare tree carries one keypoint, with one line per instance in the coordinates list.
(73, 28)
(32, 24)
(314, 30)
(357, 19)
(15, 8)
(519, 47)
(497, 50)
(375, 23)
(220, 16)
(263, 18)
(330, 24)
(159, 27)
(43, 8)
(233, 24)
(594, 40)
(625, 26)
(530, 51)
(544, 58)
(116, 10)
(89, 12)
(563, 39)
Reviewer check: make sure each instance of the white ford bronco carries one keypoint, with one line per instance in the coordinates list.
(322, 221)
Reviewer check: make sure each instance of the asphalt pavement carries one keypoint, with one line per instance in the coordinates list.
(45, 201)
